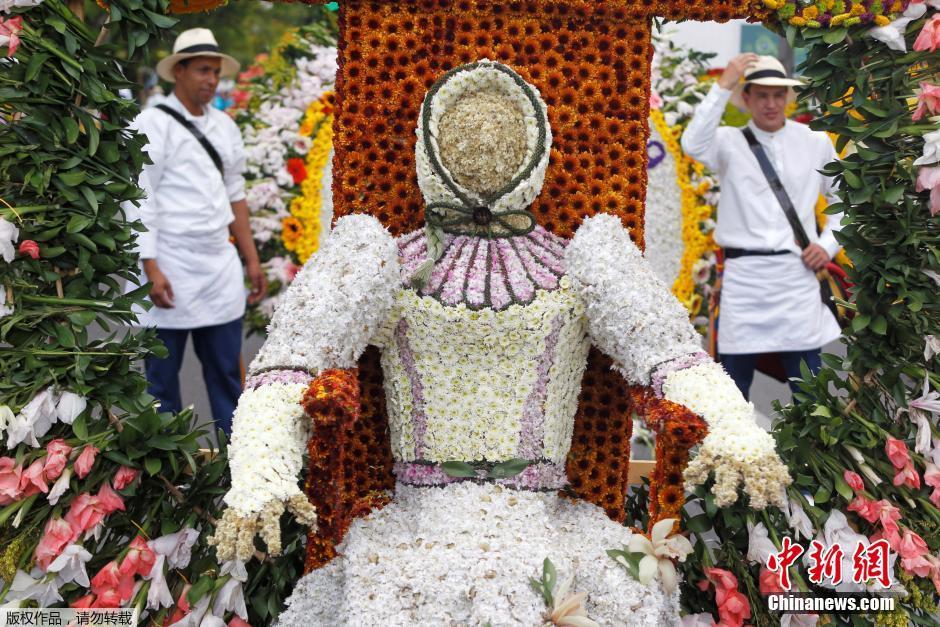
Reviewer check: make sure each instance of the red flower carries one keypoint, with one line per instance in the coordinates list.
(10, 34)
(84, 602)
(57, 535)
(139, 559)
(124, 477)
(33, 481)
(865, 507)
(57, 454)
(854, 480)
(770, 582)
(297, 169)
(29, 247)
(897, 453)
(109, 580)
(907, 476)
(85, 461)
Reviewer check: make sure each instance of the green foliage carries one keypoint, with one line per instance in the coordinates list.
(840, 419)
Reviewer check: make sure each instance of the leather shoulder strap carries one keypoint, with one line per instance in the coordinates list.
(209, 148)
(777, 187)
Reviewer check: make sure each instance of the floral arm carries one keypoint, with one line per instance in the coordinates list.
(635, 320)
(329, 314)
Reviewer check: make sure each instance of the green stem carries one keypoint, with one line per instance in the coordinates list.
(79, 302)
(14, 212)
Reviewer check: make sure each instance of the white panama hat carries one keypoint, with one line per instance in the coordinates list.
(195, 42)
(765, 71)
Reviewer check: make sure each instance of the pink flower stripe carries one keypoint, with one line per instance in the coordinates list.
(278, 376)
(663, 370)
(533, 412)
(414, 379)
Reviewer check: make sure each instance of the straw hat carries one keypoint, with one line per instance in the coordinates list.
(764, 71)
(195, 42)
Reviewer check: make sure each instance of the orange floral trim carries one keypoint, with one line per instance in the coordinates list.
(677, 430)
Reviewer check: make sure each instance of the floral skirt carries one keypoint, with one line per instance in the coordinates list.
(463, 554)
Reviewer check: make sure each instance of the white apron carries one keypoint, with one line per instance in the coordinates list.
(770, 304)
(207, 280)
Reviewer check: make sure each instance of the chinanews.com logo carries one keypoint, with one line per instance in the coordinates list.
(870, 566)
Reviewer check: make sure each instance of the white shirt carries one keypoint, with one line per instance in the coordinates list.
(749, 215)
(187, 212)
(768, 303)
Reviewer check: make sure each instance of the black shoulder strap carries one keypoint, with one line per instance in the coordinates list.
(213, 153)
(777, 187)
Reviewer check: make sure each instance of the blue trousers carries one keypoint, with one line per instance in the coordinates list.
(741, 367)
(219, 350)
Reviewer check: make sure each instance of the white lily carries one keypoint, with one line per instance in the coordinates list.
(931, 147)
(660, 549)
(177, 547)
(159, 593)
(195, 616)
(45, 590)
(931, 346)
(33, 421)
(5, 310)
(8, 236)
(69, 406)
(6, 417)
(759, 545)
(799, 521)
(60, 486)
(70, 565)
(568, 609)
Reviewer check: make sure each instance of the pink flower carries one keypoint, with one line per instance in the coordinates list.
(928, 101)
(30, 248)
(932, 478)
(109, 500)
(907, 476)
(87, 511)
(57, 455)
(723, 579)
(57, 535)
(935, 571)
(85, 461)
(238, 622)
(919, 565)
(9, 480)
(656, 102)
(32, 481)
(124, 477)
(770, 582)
(109, 579)
(139, 559)
(928, 177)
(912, 545)
(865, 507)
(84, 602)
(897, 453)
(10, 34)
(733, 606)
(854, 480)
(109, 598)
(929, 37)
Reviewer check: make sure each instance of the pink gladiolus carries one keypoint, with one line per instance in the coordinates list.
(733, 606)
(907, 476)
(109, 578)
(897, 453)
(109, 598)
(29, 248)
(854, 480)
(932, 478)
(10, 475)
(656, 101)
(912, 545)
(865, 507)
(57, 455)
(10, 34)
(770, 582)
(928, 101)
(85, 461)
(139, 559)
(57, 535)
(124, 477)
(929, 37)
(84, 603)
(32, 481)
(238, 622)
(928, 177)
(919, 565)
(935, 571)
(109, 500)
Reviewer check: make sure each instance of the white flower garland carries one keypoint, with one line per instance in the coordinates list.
(662, 224)
(736, 448)
(480, 79)
(337, 301)
(266, 452)
(631, 314)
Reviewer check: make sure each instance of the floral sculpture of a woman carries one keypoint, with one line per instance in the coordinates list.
(484, 321)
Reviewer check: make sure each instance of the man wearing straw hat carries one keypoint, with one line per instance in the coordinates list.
(195, 205)
(770, 297)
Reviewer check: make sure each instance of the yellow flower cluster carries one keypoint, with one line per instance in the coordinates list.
(302, 229)
(694, 211)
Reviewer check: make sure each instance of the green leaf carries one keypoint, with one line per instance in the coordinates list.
(162, 442)
(509, 468)
(35, 64)
(458, 469)
(78, 223)
(89, 197)
(199, 590)
(80, 429)
(549, 575)
(843, 489)
(699, 524)
(153, 465)
(879, 325)
(71, 130)
(835, 35)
